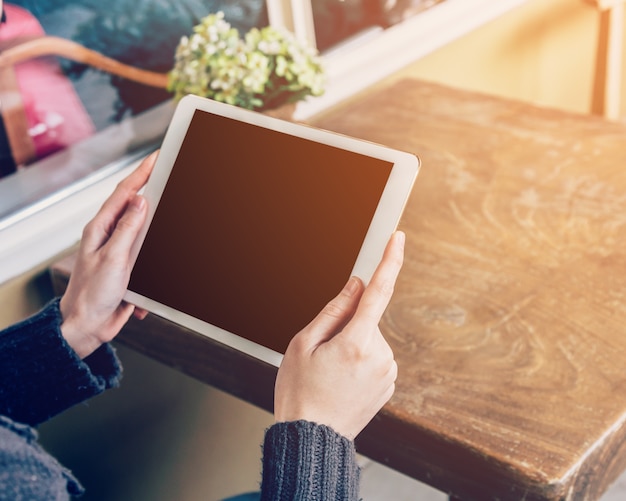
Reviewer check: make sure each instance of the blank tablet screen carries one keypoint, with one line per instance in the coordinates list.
(257, 230)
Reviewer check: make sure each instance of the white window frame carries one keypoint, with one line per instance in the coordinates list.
(349, 65)
(54, 224)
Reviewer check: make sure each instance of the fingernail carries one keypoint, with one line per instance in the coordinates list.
(400, 238)
(352, 286)
(137, 202)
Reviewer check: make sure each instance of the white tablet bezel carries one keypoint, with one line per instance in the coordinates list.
(383, 224)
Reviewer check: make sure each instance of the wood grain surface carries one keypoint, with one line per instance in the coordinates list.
(509, 318)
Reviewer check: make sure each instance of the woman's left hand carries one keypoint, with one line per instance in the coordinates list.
(92, 307)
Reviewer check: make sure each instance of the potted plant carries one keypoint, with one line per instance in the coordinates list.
(265, 70)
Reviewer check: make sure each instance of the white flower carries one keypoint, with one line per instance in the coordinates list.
(265, 68)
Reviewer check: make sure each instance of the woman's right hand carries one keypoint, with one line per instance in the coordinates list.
(339, 370)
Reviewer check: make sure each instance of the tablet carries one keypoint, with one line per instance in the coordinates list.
(255, 223)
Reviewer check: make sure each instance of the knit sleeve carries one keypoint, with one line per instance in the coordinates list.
(41, 375)
(303, 461)
(27, 471)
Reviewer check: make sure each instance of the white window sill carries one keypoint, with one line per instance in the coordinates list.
(49, 225)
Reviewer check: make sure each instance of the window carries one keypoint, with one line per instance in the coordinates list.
(73, 106)
(361, 42)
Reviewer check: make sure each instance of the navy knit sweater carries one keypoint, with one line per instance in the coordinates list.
(41, 376)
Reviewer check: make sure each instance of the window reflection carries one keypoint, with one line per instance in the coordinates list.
(338, 20)
(140, 33)
(84, 120)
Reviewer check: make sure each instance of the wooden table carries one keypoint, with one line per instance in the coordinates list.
(509, 318)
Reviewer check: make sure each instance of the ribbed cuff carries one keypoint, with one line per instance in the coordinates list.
(41, 375)
(304, 461)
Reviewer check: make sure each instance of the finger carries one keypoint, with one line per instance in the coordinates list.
(140, 313)
(378, 293)
(131, 184)
(118, 319)
(128, 227)
(100, 228)
(337, 312)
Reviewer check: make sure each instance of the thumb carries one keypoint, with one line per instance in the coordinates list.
(337, 313)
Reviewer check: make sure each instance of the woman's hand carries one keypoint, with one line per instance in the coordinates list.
(339, 370)
(92, 307)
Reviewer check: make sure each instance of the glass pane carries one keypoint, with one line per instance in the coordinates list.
(337, 21)
(140, 33)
